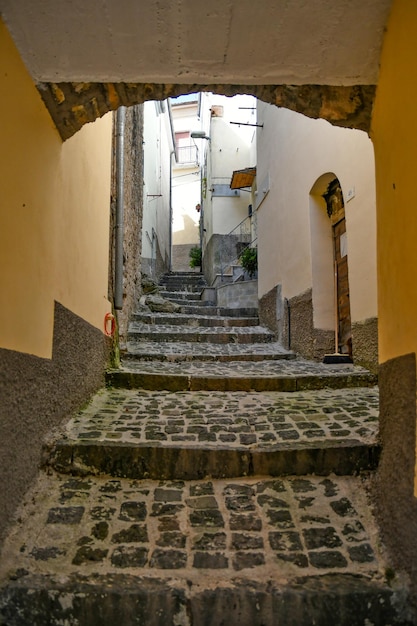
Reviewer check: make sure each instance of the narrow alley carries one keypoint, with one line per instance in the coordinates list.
(217, 479)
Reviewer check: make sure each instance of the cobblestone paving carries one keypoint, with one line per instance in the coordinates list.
(258, 529)
(194, 320)
(207, 352)
(206, 419)
(215, 334)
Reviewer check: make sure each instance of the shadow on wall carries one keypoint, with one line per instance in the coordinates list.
(188, 234)
(183, 241)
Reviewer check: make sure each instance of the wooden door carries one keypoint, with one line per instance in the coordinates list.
(343, 303)
(336, 213)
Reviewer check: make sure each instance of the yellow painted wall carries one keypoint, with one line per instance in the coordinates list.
(394, 133)
(54, 214)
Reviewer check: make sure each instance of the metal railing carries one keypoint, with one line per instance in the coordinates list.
(243, 236)
(187, 154)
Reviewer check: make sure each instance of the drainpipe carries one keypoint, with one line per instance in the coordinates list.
(287, 302)
(171, 154)
(120, 171)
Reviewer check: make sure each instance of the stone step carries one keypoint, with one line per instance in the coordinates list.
(184, 319)
(202, 308)
(188, 436)
(100, 551)
(180, 296)
(188, 277)
(174, 287)
(192, 351)
(264, 375)
(217, 334)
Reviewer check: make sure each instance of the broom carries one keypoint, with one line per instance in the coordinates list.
(337, 357)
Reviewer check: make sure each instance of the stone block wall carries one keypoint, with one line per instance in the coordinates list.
(133, 212)
(243, 294)
(220, 251)
(292, 323)
(365, 343)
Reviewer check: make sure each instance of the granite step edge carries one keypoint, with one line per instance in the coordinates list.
(159, 381)
(342, 599)
(185, 461)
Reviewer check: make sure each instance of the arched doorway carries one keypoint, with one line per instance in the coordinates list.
(336, 213)
(329, 261)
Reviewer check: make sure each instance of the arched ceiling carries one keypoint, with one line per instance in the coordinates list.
(70, 45)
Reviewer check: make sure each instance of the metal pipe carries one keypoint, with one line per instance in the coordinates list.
(287, 302)
(171, 154)
(119, 225)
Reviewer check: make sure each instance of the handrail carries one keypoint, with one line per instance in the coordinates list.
(246, 228)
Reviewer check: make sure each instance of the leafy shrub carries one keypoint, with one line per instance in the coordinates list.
(195, 257)
(249, 260)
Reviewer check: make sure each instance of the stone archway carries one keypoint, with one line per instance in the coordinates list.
(71, 105)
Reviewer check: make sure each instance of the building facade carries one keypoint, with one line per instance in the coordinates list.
(300, 162)
(55, 193)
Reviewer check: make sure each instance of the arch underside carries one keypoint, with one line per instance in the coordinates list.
(71, 104)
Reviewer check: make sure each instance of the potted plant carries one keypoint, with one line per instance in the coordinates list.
(249, 260)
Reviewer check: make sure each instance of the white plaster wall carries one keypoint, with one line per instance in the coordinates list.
(186, 183)
(186, 192)
(295, 151)
(232, 148)
(186, 179)
(156, 192)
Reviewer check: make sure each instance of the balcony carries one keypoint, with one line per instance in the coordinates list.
(187, 154)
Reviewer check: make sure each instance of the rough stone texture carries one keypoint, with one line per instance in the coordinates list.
(221, 252)
(189, 435)
(133, 211)
(299, 332)
(36, 394)
(71, 105)
(249, 551)
(158, 303)
(239, 295)
(396, 504)
(270, 311)
(365, 343)
(155, 267)
(312, 342)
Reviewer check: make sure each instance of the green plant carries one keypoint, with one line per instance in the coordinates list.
(195, 257)
(249, 260)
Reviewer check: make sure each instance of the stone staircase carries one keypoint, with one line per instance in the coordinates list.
(218, 479)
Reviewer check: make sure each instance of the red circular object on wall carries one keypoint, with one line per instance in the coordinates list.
(109, 317)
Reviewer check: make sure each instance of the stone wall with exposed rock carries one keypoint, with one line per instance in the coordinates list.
(365, 344)
(292, 322)
(71, 105)
(133, 212)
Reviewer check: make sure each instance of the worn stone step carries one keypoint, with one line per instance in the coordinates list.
(142, 434)
(203, 352)
(99, 551)
(215, 334)
(184, 319)
(180, 296)
(203, 308)
(264, 375)
(187, 277)
(178, 287)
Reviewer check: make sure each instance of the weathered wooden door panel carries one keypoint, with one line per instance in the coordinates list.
(336, 213)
